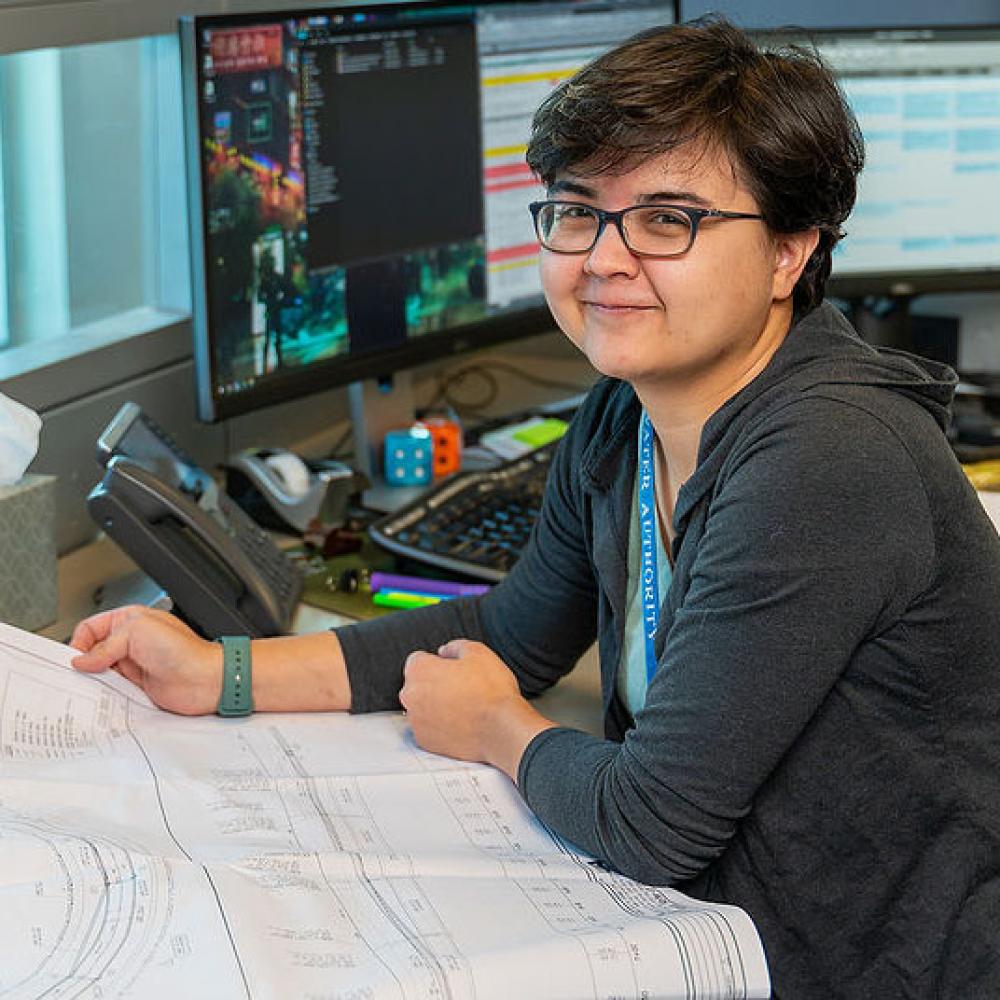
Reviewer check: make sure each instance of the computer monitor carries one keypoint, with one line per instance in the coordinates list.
(755, 14)
(358, 191)
(927, 218)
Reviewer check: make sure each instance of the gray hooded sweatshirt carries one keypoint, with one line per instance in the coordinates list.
(821, 742)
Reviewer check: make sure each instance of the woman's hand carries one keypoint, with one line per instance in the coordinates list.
(464, 702)
(156, 651)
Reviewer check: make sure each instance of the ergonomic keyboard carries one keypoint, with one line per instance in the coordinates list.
(473, 523)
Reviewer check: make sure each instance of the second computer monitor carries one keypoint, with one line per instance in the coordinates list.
(927, 217)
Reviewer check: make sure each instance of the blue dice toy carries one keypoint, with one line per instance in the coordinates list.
(408, 457)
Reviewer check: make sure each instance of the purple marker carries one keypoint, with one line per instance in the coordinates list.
(394, 581)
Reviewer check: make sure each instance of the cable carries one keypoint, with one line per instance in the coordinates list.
(450, 381)
(340, 442)
(227, 442)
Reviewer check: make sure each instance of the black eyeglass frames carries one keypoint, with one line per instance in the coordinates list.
(652, 230)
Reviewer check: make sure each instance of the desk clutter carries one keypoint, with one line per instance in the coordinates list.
(283, 492)
(984, 475)
(431, 448)
(362, 580)
(396, 590)
(224, 573)
(475, 523)
(974, 431)
(427, 450)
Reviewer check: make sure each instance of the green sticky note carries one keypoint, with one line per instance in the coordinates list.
(542, 432)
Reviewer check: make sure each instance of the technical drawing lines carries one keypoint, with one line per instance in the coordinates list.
(41, 720)
(705, 951)
(707, 946)
(88, 910)
(145, 856)
(709, 954)
(424, 944)
(487, 824)
(268, 795)
(38, 722)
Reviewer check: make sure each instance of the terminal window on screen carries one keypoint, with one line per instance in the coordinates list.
(408, 90)
(367, 97)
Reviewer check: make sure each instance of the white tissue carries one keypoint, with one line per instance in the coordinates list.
(19, 429)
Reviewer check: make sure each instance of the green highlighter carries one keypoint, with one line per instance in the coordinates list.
(401, 599)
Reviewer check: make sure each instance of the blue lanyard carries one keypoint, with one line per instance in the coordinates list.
(648, 577)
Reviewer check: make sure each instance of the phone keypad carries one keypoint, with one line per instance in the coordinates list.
(281, 573)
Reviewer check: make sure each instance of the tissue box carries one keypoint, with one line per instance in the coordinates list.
(29, 596)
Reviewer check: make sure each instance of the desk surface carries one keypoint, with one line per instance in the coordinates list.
(991, 502)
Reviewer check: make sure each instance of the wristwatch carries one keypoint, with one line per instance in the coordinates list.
(237, 687)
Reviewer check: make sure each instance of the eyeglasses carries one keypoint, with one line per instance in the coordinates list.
(647, 230)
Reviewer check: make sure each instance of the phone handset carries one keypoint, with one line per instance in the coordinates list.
(221, 570)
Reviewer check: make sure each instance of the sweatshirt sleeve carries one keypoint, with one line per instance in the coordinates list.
(803, 557)
(376, 650)
(539, 620)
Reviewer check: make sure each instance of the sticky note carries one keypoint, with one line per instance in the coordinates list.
(542, 432)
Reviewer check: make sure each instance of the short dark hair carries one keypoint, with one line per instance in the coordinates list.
(777, 113)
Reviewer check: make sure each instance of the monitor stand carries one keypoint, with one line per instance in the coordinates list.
(884, 322)
(377, 406)
(890, 322)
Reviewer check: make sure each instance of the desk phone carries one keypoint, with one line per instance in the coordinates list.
(223, 573)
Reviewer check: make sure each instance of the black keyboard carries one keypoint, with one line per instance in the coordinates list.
(473, 523)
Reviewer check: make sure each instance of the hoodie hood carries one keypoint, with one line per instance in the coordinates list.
(822, 349)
